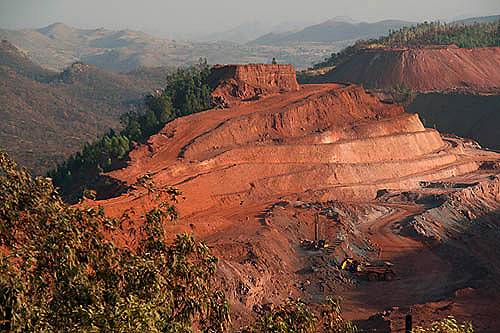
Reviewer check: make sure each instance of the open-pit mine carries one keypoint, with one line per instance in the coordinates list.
(287, 182)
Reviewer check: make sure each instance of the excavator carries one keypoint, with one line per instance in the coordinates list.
(377, 271)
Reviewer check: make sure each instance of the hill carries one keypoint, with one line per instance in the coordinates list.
(261, 175)
(46, 115)
(19, 62)
(421, 69)
(249, 31)
(57, 46)
(333, 31)
(424, 34)
(481, 19)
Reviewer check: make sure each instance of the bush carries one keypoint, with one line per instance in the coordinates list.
(446, 325)
(295, 316)
(61, 270)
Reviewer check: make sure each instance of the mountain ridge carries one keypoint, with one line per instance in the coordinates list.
(334, 30)
(47, 115)
(59, 45)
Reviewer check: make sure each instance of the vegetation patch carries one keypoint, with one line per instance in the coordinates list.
(433, 33)
(186, 92)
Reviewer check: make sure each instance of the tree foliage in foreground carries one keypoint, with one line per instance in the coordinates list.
(446, 325)
(187, 91)
(60, 270)
(295, 316)
(427, 33)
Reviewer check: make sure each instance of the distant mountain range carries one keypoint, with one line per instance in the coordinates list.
(332, 31)
(47, 115)
(480, 19)
(58, 46)
(251, 30)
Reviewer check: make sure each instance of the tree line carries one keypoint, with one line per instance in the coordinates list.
(186, 92)
(427, 33)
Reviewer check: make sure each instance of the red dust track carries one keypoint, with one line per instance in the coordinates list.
(256, 174)
(422, 275)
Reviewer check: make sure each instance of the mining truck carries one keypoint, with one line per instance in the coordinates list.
(376, 271)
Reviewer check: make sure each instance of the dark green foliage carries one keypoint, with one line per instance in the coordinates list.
(186, 92)
(60, 271)
(293, 316)
(332, 320)
(437, 33)
(433, 33)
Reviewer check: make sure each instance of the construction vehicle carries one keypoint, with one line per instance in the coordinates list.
(377, 271)
(317, 243)
(314, 245)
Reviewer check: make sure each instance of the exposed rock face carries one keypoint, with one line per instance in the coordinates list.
(423, 69)
(256, 175)
(335, 140)
(245, 82)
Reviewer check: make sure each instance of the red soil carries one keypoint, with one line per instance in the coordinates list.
(244, 82)
(422, 69)
(255, 175)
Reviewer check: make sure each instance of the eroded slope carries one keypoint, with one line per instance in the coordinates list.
(257, 175)
(422, 69)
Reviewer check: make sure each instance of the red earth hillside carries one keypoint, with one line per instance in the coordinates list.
(245, 82)
(256, 176)
(422, 69)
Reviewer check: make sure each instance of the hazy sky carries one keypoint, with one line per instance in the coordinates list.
(176, 17)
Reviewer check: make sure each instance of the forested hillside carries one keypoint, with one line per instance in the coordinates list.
(46, 115)
(433, 33)
(186, 92)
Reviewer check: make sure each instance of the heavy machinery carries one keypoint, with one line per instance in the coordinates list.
(376, 271)
(317, 243)
(314, 245)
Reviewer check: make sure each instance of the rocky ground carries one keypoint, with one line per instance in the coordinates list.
(259, 175)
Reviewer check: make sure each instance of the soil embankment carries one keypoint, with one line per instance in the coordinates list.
(258, 174)
(421, 69)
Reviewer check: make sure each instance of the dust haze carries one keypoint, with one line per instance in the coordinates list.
(191, 18)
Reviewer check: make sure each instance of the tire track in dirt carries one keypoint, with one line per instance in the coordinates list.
(422, 275)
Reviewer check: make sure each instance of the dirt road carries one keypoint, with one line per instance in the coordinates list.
(422, 275)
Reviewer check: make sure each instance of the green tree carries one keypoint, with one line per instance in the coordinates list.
(446, 325)
(61, 271)
(427, 33)
(292, 317)
(295, 316)
(187, 91)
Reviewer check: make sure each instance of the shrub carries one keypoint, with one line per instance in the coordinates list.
(61, 270)
(446, 325)
(295, 316)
